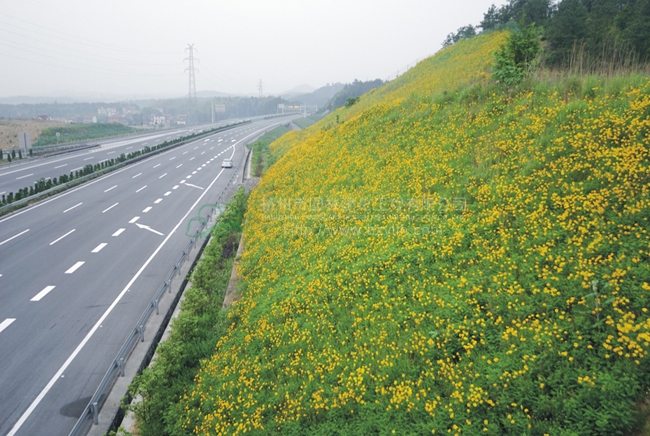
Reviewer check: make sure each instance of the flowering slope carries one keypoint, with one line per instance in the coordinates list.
(450, 259)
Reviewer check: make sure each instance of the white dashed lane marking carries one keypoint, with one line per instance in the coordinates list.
(119, 232)
(99, 247)
(134, 219)
(106, 210)
(58, 239)
(74, 267)
(6, 323)
(140, 189)
(43, 293)
(68, 210)
(147, 209)
(15, 236)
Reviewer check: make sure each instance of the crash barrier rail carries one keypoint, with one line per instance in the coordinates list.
(137, 334)
(78, 181)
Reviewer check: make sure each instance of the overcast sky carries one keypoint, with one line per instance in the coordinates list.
(134, 48)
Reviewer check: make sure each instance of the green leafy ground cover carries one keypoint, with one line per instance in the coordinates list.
(445, 256)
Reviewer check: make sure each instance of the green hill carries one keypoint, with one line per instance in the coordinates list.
(445, 257)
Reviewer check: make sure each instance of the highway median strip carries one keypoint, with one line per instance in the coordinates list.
(45, 188)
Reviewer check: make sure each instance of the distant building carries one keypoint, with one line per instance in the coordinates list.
(89, 119)
(117, 119)
(158, 120)
(43, 118)
(180, 120)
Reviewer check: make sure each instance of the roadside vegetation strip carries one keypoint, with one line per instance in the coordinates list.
(449, 256)
(194, 333)
(80, 132)
(45, 188)
(261, 159)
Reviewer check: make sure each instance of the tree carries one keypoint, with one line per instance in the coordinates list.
(637, 32)
(491, 19)
(514, 59)
(9, 158)
(568, 27)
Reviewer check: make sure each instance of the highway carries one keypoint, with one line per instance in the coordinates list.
(25, 173)
(78, 269)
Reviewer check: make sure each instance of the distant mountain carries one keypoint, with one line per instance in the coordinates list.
(320, 96)
(298, 90)
(351, 90)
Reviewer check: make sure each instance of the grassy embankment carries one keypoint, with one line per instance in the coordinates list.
(262, 159)
(445, 256)
(196, 330)
(303, 123)
(80, 132)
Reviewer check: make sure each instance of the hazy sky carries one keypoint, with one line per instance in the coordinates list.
(122, 48)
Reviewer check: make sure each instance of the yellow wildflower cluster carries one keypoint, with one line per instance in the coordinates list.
(449, 259)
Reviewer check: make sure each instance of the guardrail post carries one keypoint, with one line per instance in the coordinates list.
(120, 365)
(95, 411)
(141, 332)
(155, 303)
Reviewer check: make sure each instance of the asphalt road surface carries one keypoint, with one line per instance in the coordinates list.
(77, 271)
(23, 174)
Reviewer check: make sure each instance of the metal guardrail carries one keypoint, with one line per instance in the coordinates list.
(137, 334)
(78, 181)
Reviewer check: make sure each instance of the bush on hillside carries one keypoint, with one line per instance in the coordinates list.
(514, 59)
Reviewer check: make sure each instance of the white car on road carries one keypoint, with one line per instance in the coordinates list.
(227, 163)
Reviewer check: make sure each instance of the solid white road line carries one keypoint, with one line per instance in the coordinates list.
(147, 209)
(60, 166)
(158, 201)
(134, 219)
(67, 210)
(112, 187)
(162, 176)
(99, 247)
(157, 166)
(6, 323)
(43, 293)
(57, 240)
(15, 236)
(74, 267)
(119, 232)
(140, 189)
(106, 210)
(137, 175)
(22, 177)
